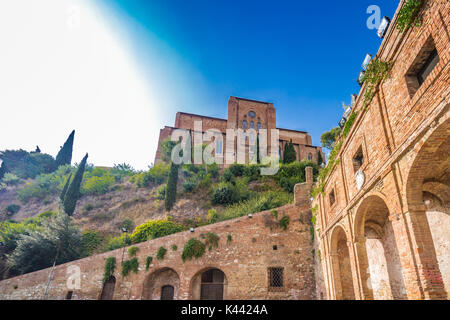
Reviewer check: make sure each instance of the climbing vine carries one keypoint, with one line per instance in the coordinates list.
(132, 251)
(193, 249)
(110, 266)
(148, 262)
(130, 265)
(161, 253)
(284, 222)
(211, 240)
(408, 15)
(376, 71)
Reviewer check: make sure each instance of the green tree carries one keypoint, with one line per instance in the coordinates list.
(166, 149)
(329, 137)
(73, 191)
(289, 153)
(64, 155)
(319, 157)
(171, 190)
(37, 250)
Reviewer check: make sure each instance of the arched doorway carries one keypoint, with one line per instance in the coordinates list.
(342, 273)
(108, 289)
(428, 200)
(378, 255)
(163, 284)
(209, 284)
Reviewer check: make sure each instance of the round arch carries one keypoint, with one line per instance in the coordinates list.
(161, 284)
(209, 283)
(378, 256)
(340, 259)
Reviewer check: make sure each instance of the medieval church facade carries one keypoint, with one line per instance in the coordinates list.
(244, 114)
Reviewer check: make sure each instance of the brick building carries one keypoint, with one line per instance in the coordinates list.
(384, 211)
(245, 114)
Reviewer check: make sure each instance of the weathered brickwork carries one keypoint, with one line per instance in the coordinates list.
(257, 244)
(245, 114)
(388, 238)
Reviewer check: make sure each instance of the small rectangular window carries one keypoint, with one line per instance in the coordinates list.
(424, 63)
(358, 159)
(276, 278)
(219, 147)
(69, 295)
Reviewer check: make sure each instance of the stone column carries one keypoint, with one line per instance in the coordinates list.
(362, 263)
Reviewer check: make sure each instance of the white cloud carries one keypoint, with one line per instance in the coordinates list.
(57, 75)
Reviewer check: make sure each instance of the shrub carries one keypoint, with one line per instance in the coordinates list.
(118, 242)
(223, 194)
(91, 241)
(161, 192)
(252, 172)
(229, 238)
(127, 224)
(161, 253)
(227, 175)
(97, 185)
(193, 249)
(12, 209)
(11, 179)
(213, 216)
(132, 251)
(148, 262)
(174, 247)
(213, 169)
(156, 175)
(237, 169)
(130, 265)
(153, 229)
(290, 174)
(88, 207)
(189, 184)
(119, 171)
(263, 201)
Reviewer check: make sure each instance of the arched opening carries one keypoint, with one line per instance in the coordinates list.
(378, 254)
(163, 284)
(209, 284)
(342, 272)
(108, 289)
(428, 199)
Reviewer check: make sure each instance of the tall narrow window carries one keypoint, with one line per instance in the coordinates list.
(309, 156)
(259, 126)
(219, 147)
(358, 159)
(69, 295)
(332, 198)
(244, 124)
(252, 125)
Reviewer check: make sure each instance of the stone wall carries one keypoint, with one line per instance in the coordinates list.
(257, 244)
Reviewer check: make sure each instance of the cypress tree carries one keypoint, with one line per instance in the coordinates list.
(72, 194)
(2, 170)
(64, 155)
(319, 158)
(258, 156)
(64, 190)
(171, 189)
(289, 153)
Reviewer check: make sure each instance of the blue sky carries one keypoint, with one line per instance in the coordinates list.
(304, 56)
(117, 71)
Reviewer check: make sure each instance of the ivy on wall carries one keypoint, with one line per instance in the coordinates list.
(194, 248)
(130, 265)
(110, 266)
(408, 15)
